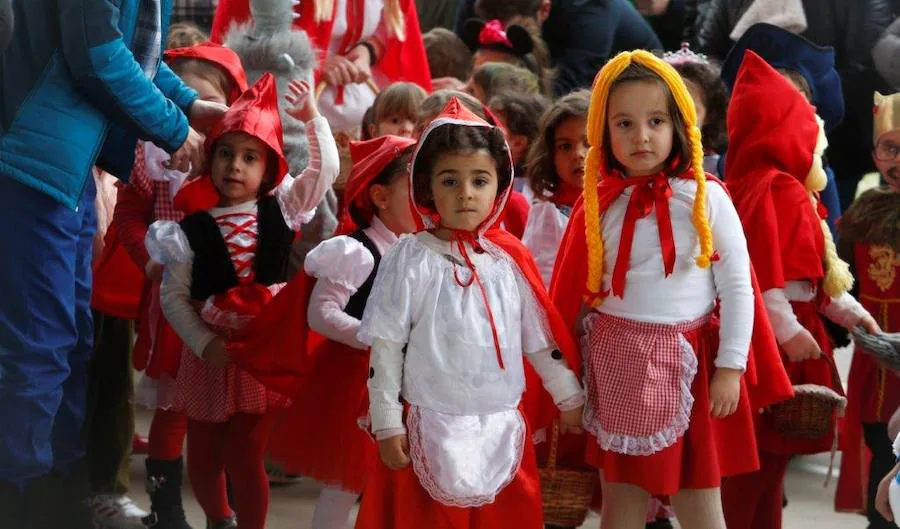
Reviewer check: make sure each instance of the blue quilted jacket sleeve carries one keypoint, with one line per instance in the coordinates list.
(106, 71)
(173, 88)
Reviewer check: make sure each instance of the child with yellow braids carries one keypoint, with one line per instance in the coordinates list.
(654, 274)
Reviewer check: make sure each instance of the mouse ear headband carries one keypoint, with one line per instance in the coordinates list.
(513, 39)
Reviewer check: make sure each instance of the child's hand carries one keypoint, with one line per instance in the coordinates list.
(302, 100)
(868, 323)
(724, 392)
(153, 270)
(394, 451)
(570, 420)
(802, 347)
(216, 354)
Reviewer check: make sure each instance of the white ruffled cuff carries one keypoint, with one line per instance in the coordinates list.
(166, 243)
(292, 206)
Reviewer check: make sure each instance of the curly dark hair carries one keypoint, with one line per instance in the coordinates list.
(458, 139)
(715, 99)
(540, 169)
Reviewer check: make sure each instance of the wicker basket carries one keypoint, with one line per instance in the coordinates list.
(812, 413)
(566, 494)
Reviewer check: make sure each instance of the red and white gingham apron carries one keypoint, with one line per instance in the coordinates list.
(639, 375)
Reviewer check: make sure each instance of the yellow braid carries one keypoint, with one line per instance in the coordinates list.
(594, 163)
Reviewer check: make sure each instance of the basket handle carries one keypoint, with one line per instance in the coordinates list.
(835, 376)
(322, 85)
(554, 445)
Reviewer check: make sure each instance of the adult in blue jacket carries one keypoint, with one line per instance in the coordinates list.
(80, 82)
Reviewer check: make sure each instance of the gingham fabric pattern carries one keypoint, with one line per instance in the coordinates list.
(199, 12)
(639, 377)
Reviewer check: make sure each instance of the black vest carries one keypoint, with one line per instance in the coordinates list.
(357, 303)
(213, 272)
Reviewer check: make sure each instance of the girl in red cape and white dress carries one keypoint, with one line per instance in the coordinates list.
(216, 73)
(381, 35)
(319, 436)
(774, 172)
(655, 254)
(452, 313)
(224, 262)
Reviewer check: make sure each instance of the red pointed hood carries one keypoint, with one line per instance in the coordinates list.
(254, 113)
(223, 57)
(771, 126)
(370, 158)
(456, 113)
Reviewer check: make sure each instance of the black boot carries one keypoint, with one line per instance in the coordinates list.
(228, 523)
(164, 480)
(659, 523)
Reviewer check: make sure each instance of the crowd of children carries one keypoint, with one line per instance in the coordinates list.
(646, 264)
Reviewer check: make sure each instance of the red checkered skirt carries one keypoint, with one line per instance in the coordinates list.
(648, 406)
(213, 394)
(319, 435)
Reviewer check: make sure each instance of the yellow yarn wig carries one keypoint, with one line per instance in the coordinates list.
(596, 164)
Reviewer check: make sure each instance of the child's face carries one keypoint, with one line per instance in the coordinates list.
(640, 127)
(393, 205)
(206, 90)
(569, 149)
(699, 101)
(238, 167)
(887, 158)
(396, 125)
(464, 188)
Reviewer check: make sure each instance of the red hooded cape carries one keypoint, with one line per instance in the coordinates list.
(402, 61)
(769, 157)
(119, 282)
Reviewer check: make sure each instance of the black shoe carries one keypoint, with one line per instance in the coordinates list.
(661, 523)
(227, 523)
(59, 500)
(164, 480)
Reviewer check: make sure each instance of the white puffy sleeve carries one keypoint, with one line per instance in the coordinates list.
(340, 265)
(167, 244)
(543, 233)
(298, 197)
(731, 273)
(541, 352)
(844, 310)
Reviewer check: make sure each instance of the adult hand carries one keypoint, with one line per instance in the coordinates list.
(394, 451)
(361, 57)
(802, 347)
(339, 70)
(205, 114)
(652, 7)
(189, 157)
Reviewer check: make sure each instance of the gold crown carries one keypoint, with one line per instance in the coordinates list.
(887, 114)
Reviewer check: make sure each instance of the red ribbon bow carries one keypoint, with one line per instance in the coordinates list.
(649, 192)
(493, 33)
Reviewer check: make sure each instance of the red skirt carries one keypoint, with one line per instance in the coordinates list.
(319, 436)
(213, 394)
(709, 450)
(396, 500)
(806, 372)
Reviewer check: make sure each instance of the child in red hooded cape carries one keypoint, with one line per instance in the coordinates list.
(774, 173)
(216, 73)
(319, 436)
(224, 262)
(453, 311)
(655, 270)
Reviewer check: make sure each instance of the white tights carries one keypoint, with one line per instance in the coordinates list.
(333, 508)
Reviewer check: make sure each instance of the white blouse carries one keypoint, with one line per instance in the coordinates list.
(690, 292)
(543, 233)
(341, 265)
(844, 310)
(450, 365)
(167, 243)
